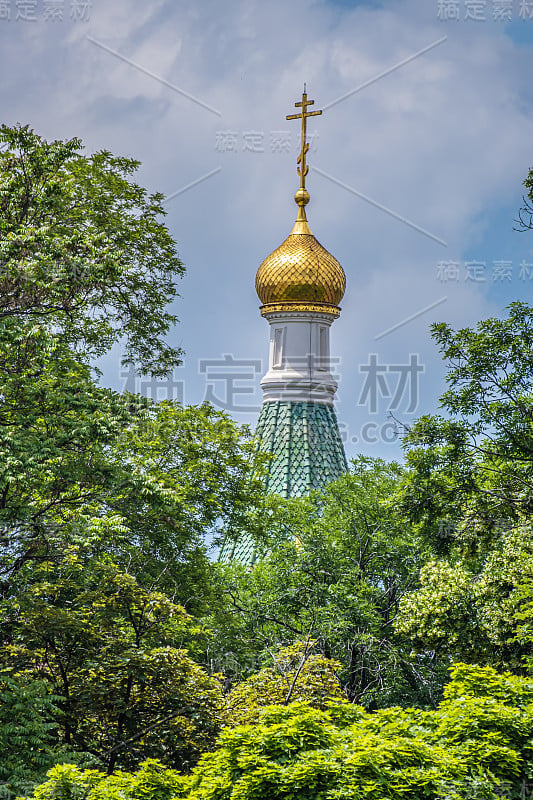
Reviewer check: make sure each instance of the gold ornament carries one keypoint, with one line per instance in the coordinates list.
(301, 275)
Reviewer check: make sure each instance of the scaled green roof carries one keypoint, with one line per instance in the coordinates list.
(307, 451)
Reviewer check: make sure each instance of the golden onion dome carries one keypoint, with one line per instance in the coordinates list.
(300, 275)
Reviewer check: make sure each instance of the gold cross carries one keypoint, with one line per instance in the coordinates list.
(303, 169)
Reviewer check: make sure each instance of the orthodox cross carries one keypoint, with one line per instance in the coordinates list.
(302, 168)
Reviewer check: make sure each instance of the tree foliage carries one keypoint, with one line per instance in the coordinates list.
(82, 251)
(109, 649)
(474, 469)
(108, 502)
(28, 714)
(297, 674)
(338, 581)
(469, 490)
(97, 605)
(482, 615)
(84, 263)
(474, 745)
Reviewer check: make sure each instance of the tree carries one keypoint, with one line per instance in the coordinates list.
(107, 501)
(480, 615)
(84, 263)
(338, 580)
(56, 427)
(110, 650)
(475, 468)
(297, 674)
(152, 780)
(193, 474)
(82, 251)
(475, 745)
(95, 607)
(525, 215)
(27, 728)
(468, 490)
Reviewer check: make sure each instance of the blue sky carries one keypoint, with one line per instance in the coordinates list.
(435, 129)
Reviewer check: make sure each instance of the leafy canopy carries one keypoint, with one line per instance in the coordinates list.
(338, 581)
(469, 492)
(475, 745)
(107, 501)
(82, 251)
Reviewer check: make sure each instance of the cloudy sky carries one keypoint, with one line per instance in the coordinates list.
(416, 168)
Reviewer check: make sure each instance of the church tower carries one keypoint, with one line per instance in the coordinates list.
(300, 286)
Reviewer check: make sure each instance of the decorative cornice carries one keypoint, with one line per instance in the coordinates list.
(318, 308)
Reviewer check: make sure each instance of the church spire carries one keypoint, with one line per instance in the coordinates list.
(300, 286)
(302, 169)
(302, 195)
(301, 275)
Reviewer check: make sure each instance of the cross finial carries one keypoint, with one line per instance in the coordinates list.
(302, 168)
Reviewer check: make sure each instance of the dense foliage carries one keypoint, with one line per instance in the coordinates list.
(297, 674)
(82, 250)
(339, 581)
(476, 744)
(106, 500)
(468, 491)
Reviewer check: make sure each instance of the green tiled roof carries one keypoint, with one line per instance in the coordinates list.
(308, 453)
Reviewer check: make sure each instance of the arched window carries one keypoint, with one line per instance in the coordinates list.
(277, 355)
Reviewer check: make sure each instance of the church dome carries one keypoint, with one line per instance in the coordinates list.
(300, 272)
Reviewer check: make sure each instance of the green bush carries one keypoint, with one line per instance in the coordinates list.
(476, 744)
(153, 781)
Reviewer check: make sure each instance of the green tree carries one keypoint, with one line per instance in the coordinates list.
(82, 251)
(152, 781)
(474, 469)
(84, 263)
(481, 615)
(107, 501)
(475, 745)
(338, 580)
(468, 491)
(56, 427)
(297, 674)
(110, 651)
(97, 608)
(27, 731)
(193, 474)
